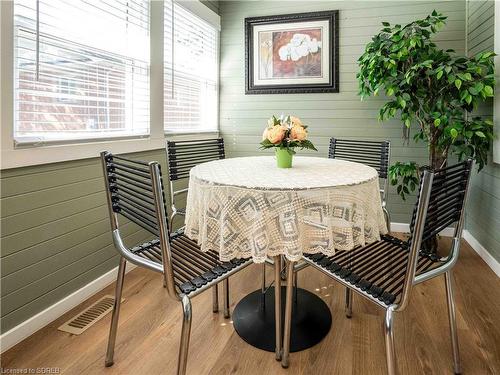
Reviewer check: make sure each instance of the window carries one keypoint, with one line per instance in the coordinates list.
(81, 69)
(191, 69)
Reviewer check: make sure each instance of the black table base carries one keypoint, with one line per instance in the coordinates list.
(253, 319)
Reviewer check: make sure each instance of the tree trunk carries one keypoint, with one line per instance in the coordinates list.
(437, 157)
(437, 160)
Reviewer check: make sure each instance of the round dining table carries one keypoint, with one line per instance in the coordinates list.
(246, 207)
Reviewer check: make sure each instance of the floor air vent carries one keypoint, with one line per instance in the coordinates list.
(89, 316)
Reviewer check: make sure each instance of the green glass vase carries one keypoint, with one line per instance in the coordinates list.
(283, 158)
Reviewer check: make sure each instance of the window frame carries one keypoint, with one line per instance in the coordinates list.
(202, 11)
(20, 155)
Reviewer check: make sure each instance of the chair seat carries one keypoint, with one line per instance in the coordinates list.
(192, 268)
(377, 269)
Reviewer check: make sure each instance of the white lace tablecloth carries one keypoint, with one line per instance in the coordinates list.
(247, 207)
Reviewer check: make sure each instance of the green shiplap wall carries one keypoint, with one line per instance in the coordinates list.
(243, 117)
(483, 214)
(55, 234)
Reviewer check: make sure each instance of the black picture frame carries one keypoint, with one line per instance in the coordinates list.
(332, 16)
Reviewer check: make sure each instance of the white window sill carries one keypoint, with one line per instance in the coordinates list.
(57, 152)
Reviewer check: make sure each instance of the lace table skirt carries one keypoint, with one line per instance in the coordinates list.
(319, 205)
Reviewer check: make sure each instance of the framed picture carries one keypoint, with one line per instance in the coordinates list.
(292, 53)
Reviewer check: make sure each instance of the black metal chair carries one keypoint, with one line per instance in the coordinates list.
(134, 190)
(181, 157)
(385, 271)
(376, 154)
(184, 155)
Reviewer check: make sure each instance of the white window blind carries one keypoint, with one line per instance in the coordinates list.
(191, 71)
(81, 69)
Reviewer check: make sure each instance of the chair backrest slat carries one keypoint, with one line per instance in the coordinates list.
(131, 192)
(372, 153)
(184, 155)
(447, 198)
(135, 191)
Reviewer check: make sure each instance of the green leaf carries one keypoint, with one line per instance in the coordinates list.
(439, 74)
(390, 91)
(454, 132)
(488, 90)
(480, 134)
(473, 91)
(458, 83)
(386, 24)
(478, 87)
(437, 122)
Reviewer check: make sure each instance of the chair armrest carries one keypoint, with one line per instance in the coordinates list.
(442, 268)
(131, 257)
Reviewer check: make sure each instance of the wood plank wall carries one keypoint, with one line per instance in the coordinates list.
(55, 234)
(243, 117)
(483, 215)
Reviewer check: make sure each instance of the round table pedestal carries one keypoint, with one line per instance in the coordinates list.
(253, 319)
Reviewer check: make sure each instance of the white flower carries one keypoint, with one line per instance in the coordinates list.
(299, 46)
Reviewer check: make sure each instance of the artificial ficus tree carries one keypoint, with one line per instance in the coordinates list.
(431, 87)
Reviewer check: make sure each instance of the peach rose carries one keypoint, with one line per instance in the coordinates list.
(298, 133)
(296, 121)
(264, 135)
(276, 134)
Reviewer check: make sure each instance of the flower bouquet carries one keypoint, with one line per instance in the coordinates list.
(285, 134)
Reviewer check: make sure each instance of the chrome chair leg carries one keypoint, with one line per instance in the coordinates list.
(277, 305)
(453, 322)
(389, 341)
(263, 285)
(116, 313)
(185, 334)
(348, 303)
(288, 314)
(387, 218)
(225, 292)
(283, 271)
(215, 298)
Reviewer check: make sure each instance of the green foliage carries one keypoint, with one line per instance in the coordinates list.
(431, 87)
(289, 145)
(405, 176)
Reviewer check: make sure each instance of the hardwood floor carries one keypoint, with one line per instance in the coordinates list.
(149, 332)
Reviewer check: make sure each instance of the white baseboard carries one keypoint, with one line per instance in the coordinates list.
(40, 320)
(405, 228)
(467, 236)
(400, 227)
(482, 252)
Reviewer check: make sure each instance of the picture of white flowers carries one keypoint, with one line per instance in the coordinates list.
(299, 56)
(290, 53)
